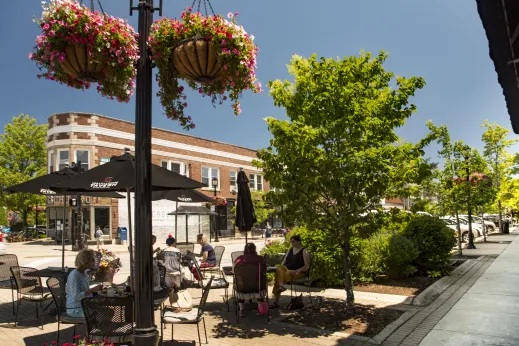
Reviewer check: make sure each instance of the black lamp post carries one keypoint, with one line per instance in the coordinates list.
(217, 223)
(145, 332)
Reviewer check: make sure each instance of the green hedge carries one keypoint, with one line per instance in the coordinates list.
(434, 242)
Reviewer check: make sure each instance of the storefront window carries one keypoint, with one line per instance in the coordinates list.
(102, 220)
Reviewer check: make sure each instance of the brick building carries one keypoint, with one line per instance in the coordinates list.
(93, 139)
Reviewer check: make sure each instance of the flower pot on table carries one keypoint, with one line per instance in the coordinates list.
(197, 59)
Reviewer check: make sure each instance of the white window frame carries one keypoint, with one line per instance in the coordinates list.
(254, 182)
(58, 158)
(235, 186)
(210, 184)
(51, 162)
(183, 167)
(82, 163)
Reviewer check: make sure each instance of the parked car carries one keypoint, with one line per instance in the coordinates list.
(465, 220)
(490, 226)
(463, 227)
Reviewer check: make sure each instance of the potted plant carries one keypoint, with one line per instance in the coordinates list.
(78, 46)
(210, 54)
(109, 264)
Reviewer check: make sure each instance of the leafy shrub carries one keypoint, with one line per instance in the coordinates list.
(434, 242)
(399, 255)
(388, 254)
(275, 251)
(328, 264)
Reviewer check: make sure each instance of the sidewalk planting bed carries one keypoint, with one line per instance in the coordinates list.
(403, 287)
(365, 320)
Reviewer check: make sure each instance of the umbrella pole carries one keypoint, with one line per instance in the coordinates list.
(176, 220)
(63, 233)
(186, 229)
(130, 236)
(199, 227)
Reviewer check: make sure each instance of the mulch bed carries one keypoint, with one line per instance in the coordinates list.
(365, 320)
(404, 287)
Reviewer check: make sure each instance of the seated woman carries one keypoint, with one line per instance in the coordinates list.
(207, 252)
(250, 256)
(77, 286)
(172, 262)
(293, 267)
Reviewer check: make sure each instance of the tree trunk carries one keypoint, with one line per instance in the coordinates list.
(460, 252)
(348, 284)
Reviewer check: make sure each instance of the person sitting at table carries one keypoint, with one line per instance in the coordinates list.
(172, 262)
(77, 286)
(207, 252)
(250, 256)
(153, 241)
(293, 267)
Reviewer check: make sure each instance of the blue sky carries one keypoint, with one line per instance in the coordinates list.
(442, 41)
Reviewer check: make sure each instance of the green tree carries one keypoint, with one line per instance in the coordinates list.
(262, 209)
(3, 217)
(23, 156)
(334, 160)
(500, 161)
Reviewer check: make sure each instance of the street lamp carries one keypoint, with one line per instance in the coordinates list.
(217, 223)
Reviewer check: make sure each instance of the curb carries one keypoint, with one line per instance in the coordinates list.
(390, 328)
(436, 289)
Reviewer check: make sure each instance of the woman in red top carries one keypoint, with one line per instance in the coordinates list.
(250, 256)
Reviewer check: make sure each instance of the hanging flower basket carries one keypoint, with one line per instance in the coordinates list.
(210, 54)
(219, 200)
(78, 46)
(197, 60)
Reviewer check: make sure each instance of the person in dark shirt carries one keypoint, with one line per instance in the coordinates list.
(207, 252)
(293, 267)
(250, 256)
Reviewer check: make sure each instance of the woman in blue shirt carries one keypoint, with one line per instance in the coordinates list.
(77, 286)
(207, 252)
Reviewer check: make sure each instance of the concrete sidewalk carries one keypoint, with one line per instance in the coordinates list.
(488, 313)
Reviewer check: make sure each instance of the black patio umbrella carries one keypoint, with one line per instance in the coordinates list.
(43, 186)
(245, 216)
(190, 210)
(119, 175)
(184, 196)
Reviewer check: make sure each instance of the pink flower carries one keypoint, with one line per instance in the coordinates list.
(180, 89)
(200, 91)
(185, 104)
(236, 13)
(46, 27)
(31, 56)
(51, 33)
(224, 42)
(230, 15)
(225, 67)
(192, 126)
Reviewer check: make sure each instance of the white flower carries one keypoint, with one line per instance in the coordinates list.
(252, 37)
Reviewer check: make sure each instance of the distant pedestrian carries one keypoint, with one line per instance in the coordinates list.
(268, 232)
(99, 238)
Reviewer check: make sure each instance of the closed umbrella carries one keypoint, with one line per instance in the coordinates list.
(185, 196)
(119, 175)
(245, 216)
(44, 186)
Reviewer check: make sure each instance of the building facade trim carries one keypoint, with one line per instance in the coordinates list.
(130, 136)
(86, 142)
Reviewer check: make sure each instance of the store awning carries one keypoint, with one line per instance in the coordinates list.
(500, 19)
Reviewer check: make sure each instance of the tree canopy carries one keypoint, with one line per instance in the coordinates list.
(338, 154)
(23, 156)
